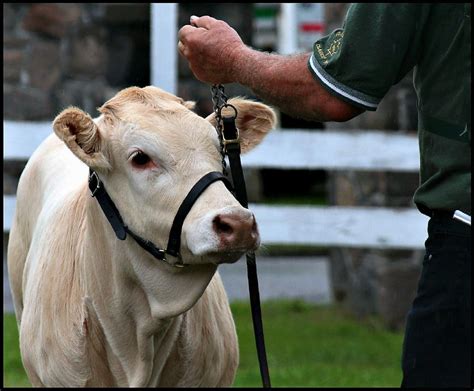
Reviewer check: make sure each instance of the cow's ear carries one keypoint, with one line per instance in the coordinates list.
(254, 121)
(81, 134)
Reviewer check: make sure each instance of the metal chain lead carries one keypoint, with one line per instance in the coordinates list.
(219, 100)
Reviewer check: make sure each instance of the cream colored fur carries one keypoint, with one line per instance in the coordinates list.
(95, 311)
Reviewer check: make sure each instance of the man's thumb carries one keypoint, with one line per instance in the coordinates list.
(192, 19)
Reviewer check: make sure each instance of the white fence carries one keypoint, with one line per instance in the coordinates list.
(371, 227)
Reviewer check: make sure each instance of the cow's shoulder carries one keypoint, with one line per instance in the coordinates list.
(68, 349)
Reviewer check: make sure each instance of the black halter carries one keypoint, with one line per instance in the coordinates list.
(97, 188)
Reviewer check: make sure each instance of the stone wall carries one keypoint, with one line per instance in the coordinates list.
(57, 55)
(54, 55)
(79, 53)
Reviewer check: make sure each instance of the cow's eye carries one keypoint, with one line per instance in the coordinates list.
(140, 159)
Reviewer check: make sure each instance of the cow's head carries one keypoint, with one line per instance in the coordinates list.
(149, 148)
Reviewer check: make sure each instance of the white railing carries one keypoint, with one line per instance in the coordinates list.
(372, 227)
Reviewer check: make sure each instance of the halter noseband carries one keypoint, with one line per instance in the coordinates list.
(97, 188)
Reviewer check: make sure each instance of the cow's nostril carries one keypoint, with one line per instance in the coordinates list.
(220, 226)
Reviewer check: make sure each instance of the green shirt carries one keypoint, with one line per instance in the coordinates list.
(377, 46)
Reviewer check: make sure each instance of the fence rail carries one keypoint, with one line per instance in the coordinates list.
(336, 151)
(370, 227)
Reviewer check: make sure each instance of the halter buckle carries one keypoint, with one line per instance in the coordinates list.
(226, 142)
(230, 129)
(179, 264)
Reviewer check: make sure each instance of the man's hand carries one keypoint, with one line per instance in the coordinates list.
(212, 49)
(217, 55)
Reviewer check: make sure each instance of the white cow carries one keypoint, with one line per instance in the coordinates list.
(93, 310)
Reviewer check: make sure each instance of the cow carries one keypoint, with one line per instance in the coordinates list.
(93, 310)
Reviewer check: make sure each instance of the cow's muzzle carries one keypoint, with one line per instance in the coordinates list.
(223, 236)
(236, 232)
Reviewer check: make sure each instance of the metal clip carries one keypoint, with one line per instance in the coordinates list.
(94, 174)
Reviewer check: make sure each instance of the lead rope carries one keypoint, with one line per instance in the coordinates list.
(229, 141)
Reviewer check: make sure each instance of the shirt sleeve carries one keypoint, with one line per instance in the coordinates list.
(376, 47)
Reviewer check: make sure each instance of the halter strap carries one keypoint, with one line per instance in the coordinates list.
(112, 214)
(174, 240)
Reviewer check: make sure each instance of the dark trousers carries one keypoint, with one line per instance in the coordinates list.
(437, 345)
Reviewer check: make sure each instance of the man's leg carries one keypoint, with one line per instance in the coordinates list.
(437, 345)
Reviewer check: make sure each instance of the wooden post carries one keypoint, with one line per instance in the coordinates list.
(287, 29)
(164, 42)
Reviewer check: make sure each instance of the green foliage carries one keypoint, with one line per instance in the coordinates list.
(307, 346)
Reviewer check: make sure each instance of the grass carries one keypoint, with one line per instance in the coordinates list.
(307, 346)
(317, 346)
(13, 373)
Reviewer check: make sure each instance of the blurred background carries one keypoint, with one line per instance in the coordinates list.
(342, 240)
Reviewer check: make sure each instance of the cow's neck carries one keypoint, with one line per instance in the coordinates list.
(137, 299)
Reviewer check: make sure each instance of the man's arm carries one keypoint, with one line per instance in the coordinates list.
(216, 54)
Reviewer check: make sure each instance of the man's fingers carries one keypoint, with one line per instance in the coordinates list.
(197, 23)
(185, 31)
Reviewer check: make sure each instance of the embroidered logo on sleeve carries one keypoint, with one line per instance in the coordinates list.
(333, 48)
